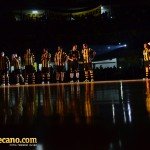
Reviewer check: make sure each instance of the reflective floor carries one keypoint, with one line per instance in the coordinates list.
(81, 116)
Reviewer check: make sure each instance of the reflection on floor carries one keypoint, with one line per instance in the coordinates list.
(91, 116)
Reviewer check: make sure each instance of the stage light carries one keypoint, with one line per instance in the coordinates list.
(108, 47)
(125, 45)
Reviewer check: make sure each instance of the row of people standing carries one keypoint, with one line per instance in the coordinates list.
(60, 59)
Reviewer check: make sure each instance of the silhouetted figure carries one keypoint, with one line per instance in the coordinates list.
(17, 64)
(73, 59)
(59, 60)
(88, 54)
(4, 68)
(45, 60)
(146, 55)
(29, 60)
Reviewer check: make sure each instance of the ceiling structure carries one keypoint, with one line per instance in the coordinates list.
(65, 4)
(47, 4)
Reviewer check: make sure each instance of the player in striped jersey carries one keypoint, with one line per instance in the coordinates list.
(88, 54)
(29, 60)
(45, 60)
(59, 59)
(4, 68)
(146, 55)
(17, 64)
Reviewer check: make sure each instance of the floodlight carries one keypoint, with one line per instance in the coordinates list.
(35, 12)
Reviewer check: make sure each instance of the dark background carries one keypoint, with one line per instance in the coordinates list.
(129, 24)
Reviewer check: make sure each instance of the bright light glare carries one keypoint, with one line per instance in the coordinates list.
(34, 12)
(125, 45)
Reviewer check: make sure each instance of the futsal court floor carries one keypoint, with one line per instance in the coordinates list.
(102, 115)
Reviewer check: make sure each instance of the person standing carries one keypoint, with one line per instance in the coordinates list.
(4, 68)
(146, 55)
(45, 60)
(17, 64)
(29, 60)
(73, 59)
(59, 59)
(88, 55)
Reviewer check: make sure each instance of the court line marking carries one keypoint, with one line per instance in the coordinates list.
(75, 83)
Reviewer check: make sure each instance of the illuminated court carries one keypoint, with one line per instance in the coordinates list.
(103, 115)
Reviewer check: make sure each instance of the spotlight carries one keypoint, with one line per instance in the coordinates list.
(125, 45)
